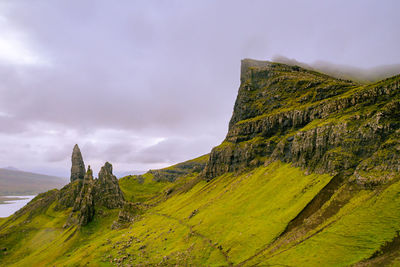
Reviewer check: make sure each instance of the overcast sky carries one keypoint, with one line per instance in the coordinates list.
(144, 84)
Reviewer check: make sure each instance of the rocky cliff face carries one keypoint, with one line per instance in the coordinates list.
(78, 167)
(317, 122)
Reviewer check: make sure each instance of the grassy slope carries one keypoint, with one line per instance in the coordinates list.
(235, 218)
(138, 191)
(140, 188)
(230, 204)
(225, 210)
(366, 223)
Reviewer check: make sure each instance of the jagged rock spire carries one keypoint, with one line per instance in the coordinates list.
(109, 194)
(104, 191)
(78, 166)
(106, 172)
(88, 176)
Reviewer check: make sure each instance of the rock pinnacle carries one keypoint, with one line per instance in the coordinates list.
(78, 166)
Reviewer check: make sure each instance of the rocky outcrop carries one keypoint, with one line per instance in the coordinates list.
(78, 166)
(383, 165)
(127, 215)
(313, 121)
(84, 204)
(84, 195)
(108, 193)
(233, 157)
(68, 194)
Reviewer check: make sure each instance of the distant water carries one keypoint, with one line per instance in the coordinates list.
(12, 206)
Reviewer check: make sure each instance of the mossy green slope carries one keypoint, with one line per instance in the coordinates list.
(207, 225)
(232, 219)
(368, 222)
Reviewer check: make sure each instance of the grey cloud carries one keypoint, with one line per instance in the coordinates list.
(162, 69)
(58, 154)
(173, 150)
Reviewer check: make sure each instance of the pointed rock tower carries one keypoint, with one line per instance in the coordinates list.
(108, 192)
(78, 166)
(88, 193)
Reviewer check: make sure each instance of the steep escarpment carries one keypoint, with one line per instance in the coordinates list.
(308, 175)
(314, 121)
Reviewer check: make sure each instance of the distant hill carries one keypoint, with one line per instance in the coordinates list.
(15, 182)
(126, 173)
(11, 168)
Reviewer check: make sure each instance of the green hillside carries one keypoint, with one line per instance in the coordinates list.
(308, 175)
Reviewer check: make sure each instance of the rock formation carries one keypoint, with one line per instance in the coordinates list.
(314, 121)
(78, 166)
(87, 193)
(69, 193)
(84, 204)
(108, 193)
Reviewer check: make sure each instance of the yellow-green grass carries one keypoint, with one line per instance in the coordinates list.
(239, 213)
(52, 245)
(136, 191)
(27, 234)
(243, 213)
(356, 232)
(228, 220)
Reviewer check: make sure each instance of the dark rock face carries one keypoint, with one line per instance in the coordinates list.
(84, 204)
(313, 121)
(78, 166)
(68, 194)
(230, 157)
(108, 193)
(267, 86)
(84, 195)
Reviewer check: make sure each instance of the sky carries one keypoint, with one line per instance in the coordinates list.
(146, 84)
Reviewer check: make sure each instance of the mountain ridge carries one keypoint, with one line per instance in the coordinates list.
(17, 182)
(253, 126)
(308, 175)
(346, 72)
